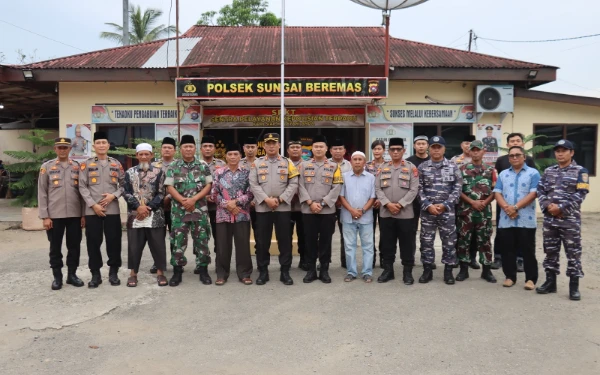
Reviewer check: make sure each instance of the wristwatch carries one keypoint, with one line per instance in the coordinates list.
(322, 203)
(362, 210)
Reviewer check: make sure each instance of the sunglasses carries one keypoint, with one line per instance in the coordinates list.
(514, 156)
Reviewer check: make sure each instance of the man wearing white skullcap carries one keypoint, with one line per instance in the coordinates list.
(144, 194)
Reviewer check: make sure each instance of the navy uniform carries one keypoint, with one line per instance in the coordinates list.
(439, 183)
(98, 177)
(566, 187)
(345, 166)
(273, 178)
(60, 201)
(320, 183)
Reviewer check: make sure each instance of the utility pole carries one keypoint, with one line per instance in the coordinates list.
(125, 22)
(470, 39)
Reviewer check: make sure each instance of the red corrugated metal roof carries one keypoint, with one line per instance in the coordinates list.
(221, 45)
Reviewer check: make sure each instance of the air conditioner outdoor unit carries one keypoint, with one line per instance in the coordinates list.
(494, 99)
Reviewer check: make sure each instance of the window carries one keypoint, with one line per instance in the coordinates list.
(583, 137)
(452, 133)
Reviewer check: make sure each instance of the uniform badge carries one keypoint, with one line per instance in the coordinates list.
(585, 177)
(93, 164)
(308, 179)
(82, 166)
(76, 182)
(54, 168)
(326, 180)
(263, 177)
(385, 183)
(282, 177)
(93, 180)
(114, 179)
(55, 182)
(43, 171)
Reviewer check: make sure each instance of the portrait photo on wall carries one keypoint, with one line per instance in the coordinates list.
(81, 135)
(491, 136)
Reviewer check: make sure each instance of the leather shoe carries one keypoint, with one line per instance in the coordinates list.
(153, 269)
(463, 274)
(311, 275)
(448, 276)
(204, 276)
(487, 275)
(263, 277)
(549, 286)
(74, 280)
(407, 276)
(574, 294)
(387, 274)
(57, 283)
(285, 278)
(113, 276)
(324, 273)
(176, 279)
(96, 279)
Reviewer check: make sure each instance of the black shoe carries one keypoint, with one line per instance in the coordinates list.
(474, 265)
(497, 264)
(74, 280)
(113, 276)
(487, 275)
(387, 274)
(448, 277)
(407, 276)
(520, 267)
(549, 286)
(204, 276)
(153, 269)
(574, 294)
(303, 265)
(285, 277)
(263, 277)
(197, 270)
(324, 273)
(176, 279)
(433, 266)
(311, 275)
(57, 283)
(427, 275)
(464, 272)
(96, 279)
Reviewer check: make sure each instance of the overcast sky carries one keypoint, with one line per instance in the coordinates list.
(439, 22)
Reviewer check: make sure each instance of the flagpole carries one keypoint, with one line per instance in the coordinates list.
(282, 110)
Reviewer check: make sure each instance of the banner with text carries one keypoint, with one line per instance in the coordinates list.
(386, 131)
(421, 113)
(245, 117)
(129, 114)
(240, 88)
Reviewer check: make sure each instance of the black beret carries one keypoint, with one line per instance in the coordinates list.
(234, 147)
(469, 138)
(208, 139)
(169, 141)
(396, 142)
(187, 139)
(319, 138)
(100, 135)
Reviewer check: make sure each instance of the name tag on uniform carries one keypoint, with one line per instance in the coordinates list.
(447, 175)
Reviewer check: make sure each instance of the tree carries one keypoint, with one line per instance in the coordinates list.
(142, 27)
(242, 13)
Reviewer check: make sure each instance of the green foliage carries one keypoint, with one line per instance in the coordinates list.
(130, 152)
(241, 13)
(540, 163)
(29, 167)
(142, 27)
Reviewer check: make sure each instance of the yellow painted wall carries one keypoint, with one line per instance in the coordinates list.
(9, 141)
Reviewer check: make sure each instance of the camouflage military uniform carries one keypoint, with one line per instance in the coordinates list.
(566, 187)
(189, 179)
(439, 182)
(478, 183)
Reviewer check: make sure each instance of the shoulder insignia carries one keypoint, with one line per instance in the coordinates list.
(337, 176)
(386, 169)
(42, 170)
(252, 165)
(415, 171)
(82, 166)
(292, 170)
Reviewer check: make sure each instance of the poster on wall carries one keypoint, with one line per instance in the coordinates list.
(148, 114)
(421, 113)
(81, 141)
(491, 136)
(170, 130)
(385, 131)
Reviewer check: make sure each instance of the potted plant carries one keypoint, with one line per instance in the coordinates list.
(29, 168)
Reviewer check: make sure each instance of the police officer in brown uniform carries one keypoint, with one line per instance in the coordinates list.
(338, 150)
(59, 204)
(101, 181)
(320, 185)
(397, 186)
(295, 155)
(273, 181)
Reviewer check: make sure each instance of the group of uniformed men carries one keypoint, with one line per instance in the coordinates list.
(211, 197)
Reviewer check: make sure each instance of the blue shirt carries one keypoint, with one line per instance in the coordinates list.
(358, 190)
(514, 187)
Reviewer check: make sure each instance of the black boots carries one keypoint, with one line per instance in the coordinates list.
(463, 274)
(285, 277)
(549, 286)
(448, 276)
(113, 276)
(176, 278)
(473, 264)
(487, 275)
(311, 275)
(574, 294)
(387, 274)
(57, 283)
(427, 275)
(204, 276)
(407, 276)
(303, 265)
(72, 278)
(96, 279)
(263, 276)
(324, 273)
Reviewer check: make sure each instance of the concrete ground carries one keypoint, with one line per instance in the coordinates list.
(342, 328)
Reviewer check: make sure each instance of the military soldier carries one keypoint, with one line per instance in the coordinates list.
(489, 142)
(561, 192)
(295, 155)
(319, 188)
(101, 182)
(396, 187)
(338, 150)
(207, 146)
(474, 213)
(273, 181)
(59, 204)
(189, 181)
(167, 153)
(440, 184)
(465, 157)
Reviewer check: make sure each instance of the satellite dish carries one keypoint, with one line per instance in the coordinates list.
(388, 5)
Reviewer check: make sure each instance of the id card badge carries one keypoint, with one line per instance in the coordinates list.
(447, 175)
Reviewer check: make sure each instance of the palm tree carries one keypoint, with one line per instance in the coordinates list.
(141, 27)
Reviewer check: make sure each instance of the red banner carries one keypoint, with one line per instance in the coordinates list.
(265, 117)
